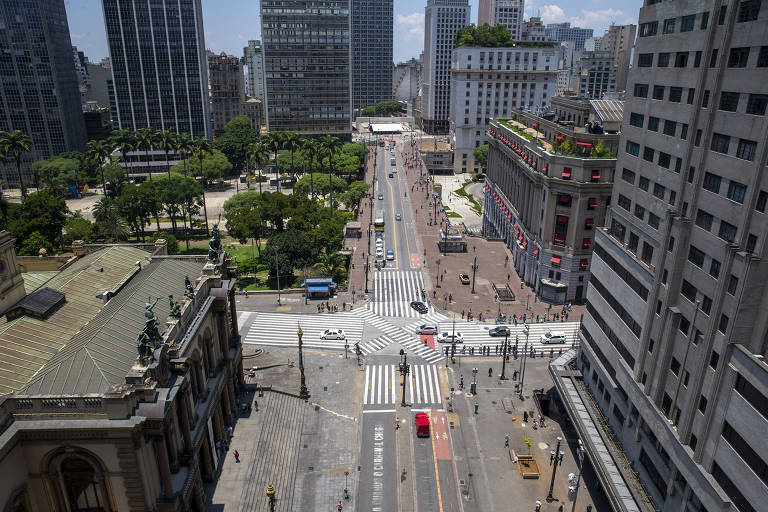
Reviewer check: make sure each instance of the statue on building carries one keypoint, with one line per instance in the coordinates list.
(149, 337)
(189, 290)
(175, 308)
(214, 244)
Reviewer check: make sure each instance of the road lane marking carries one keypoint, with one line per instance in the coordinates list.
(437, 472)
(368, 411)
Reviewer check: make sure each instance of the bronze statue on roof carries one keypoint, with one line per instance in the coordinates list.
(149, 337)
(214, 244)
(189, 291)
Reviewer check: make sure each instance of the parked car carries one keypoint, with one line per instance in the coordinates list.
(426, 328)
(332, 334)
(447, 337)
(391, 175)
(464, 278)
(379, 242)
(553, 337)
(421, 308)
(501, 330)
(422, 424)
(379, 252)
(390, 254)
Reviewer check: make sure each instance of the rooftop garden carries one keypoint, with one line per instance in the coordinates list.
(562, 147)
(488, 36)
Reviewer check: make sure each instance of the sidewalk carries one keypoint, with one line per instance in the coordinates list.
(361, 246)
(493, 265)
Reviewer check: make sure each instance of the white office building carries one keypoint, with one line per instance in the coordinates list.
(254, 77)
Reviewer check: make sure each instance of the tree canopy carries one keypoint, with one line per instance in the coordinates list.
(383, 108)
(215, 166)
(481, 155)
(235, 139)
(488, 36)
(39, 212)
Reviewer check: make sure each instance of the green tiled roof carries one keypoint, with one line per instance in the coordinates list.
(101, 354)
(34, 280)
(27, 343)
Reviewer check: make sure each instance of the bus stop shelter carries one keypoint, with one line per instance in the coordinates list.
(319, 287)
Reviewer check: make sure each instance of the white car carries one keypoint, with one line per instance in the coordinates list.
(332, 334)
(379, 242)
(447, 337)
(553, 337)
(390, 254)
(397, 216)
(379, 252)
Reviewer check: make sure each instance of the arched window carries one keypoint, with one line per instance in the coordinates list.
(80, 485)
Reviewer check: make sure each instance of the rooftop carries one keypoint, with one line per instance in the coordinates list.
(27, 343)
(426, 146)
(609, 111)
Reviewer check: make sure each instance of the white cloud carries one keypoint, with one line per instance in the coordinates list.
(409, 27)
(552, 14)
(591, 18)
(415, 18)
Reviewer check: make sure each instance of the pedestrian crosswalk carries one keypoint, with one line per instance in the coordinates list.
(393, 292)
(393, 334)
(383, 385)
(279, 329)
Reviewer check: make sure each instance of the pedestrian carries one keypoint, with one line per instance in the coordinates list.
(462, 314)
(507, 277)
(525, 415)
(340, 506)
(237, 456)
(514, 319)
(256, 405)
(230, 432)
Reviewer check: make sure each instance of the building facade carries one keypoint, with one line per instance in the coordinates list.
(484, 12)
(565, 32)
(546, 192)
(254, 63)
(307, 66)
(159, 68)
(593, 44)
(510, 14)
(406, 80)
(227, 90)
(104, 426)
(442, 19)
(487, 82)
(371, 22)
(673, 339)
(619, 40)
(596, 74)
(254, 109)
(40, 94)
(534, 30)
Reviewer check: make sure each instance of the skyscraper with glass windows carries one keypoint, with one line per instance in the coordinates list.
(159, 68)
(372, 64)
(307, 68)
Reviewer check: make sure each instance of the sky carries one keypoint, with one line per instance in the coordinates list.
(229, 24)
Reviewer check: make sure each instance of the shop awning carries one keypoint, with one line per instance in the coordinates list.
(535, 252)
(567, 173)
(565, 199)
(583, 143)
(559, 238)
(525, 243)
(321, 289)
(555, 260)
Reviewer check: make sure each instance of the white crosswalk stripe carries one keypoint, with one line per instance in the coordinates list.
(279, 329)
(393, 292)
(383, 385)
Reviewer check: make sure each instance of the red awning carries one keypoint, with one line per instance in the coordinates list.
(544, 169)
(555, 260)
(587, 242)
(584, 263)
(509, 216)
(592, 202)
(525, 243)
(519, 238)
(583, 143)
(517, 231)
(590, 223)
(565, 199)
(566, 173)
(562, 218)
(535, 252)
(535, 124)
(515, 224)
(595, 174)
(559, 238)
(559, 137)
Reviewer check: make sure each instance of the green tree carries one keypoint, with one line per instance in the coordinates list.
(369, 111)
(274, 209)
(322, 187)
(125, 141)
(201, 148)
(39, 212)
(215, 165)
(78, 228)
(171, 243)
(274, 141)
(243, 214)
(354, 194)
(312, 149)
(328, 235)
(17, 143)
(145, 138)
(258, 153)
(99, 151)
(33, 243)
(294, 246)
(235, 139)
(481, 155)
(183, 146)
(115, 179)
(291, 142)
(331, 264)
(56, 174)
(330, 145)
(166, 140)
(135, 205)
(181, 196)
(102, 208)
(388, 107)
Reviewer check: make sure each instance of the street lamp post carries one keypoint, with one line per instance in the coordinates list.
(437, 281)
(474, 268)
(526, 328)
(504, 357)
(277, 269)
(453, 338)
(270, 492)
(404, 371)
(366, 273)
(473, 387)
(555, 458)
(303, 391)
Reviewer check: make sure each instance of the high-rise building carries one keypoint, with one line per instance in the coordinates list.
(484, 12)
(564, 32)
(81, 70)
(442, 19)
(673, 341)
(596, 74)
(510, 14)
(39, 93)
(406, 80)
(619, 40)
(227, 90)
(307, 65)
(254, 62)
(489, 82)
(534, 30)
(371, 22)
(593, 44)
(99, 75)
(159, 68)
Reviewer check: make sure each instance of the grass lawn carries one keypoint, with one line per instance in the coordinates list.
(475, 204)
(243, 252)
(453, 215)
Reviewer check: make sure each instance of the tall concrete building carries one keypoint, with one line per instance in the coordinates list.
(619, 40)
(227, 90)
(442, 19)
(307, 65)
(39, 93)
(565, 32)
(371, 22)
(254, 63)
(406, 80)
(484, 12)
(505, 12)
(488, 82)
(159, 68)
(596, 74)
(534, 30)
(673, 340)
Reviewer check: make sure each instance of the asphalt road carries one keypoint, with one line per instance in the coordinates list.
(378, 461)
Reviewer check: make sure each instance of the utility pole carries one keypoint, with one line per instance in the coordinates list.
(474, 269)
(504, 357)
(555, 458)
(522, 360)
(404, 371)
(303, 391)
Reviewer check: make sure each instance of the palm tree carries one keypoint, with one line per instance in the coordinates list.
(291, 142)
(183, 146)
(125, 141)
(329, 264)
(259, 154)
(145, 138)
(330, 145)
(200, 148)
(275, 144)
(16, 143)
(312, 149)
(99, 151)
(166, 140)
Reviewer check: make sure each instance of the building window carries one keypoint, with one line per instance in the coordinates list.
(625, 202)
(722, 326)
(684, 133)
(648, 153)
(762, 57)
(727, 231)
(628, 176)
(714, 268)
(704, 219)
(704, 20)
(703, 404)
(756, 105)
(687, 23)
(688, 291)
(664, 159)
(644, 183)
(696, 256)
(681, 59)
(634, 240)
(697, 139)
(738, 57)
(669, 26)
(720, 143)
(674, 366)
(697, 59)
(633, 148)
(729, 101)
(654, 221)
(748, 11)
(636, 119)
(712, 182)
(751, 242)
(737, 191)
(641, 90)
(639, 212)
(721, 14)
(658, 92)
(647, 254)
(670, 127)
(659, 190)
(618, 231)
(713, 58)
(705, 99)
(663, 60)
(762, 199)
(649, 29)
(746, 149)
(675, 94)
(653, 124)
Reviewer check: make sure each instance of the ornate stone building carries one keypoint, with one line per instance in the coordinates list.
(127, 413)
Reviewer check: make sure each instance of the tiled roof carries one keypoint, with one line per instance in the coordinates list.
(609, 111)
(102, 353)
(27, 343)
(34, 280)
